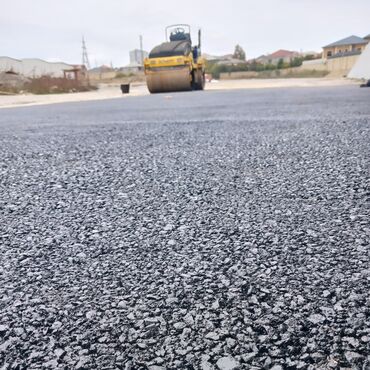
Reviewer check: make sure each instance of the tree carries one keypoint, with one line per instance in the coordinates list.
(296, 62)
(253, 65)
(280, 63)
(239, 53)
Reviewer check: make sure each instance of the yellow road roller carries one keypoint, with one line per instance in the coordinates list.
(175, 65)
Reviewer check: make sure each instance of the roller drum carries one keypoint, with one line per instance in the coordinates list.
(169, 79)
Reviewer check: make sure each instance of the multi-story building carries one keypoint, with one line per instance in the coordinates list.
(137, 56)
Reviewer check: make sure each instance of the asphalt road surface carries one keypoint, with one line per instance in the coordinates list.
(206, 230)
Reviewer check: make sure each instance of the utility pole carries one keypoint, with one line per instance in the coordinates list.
(141, 50)
(85, 56)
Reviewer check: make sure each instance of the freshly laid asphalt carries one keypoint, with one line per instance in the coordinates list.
(208, 230)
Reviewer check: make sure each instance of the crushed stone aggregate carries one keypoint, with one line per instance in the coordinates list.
(210, 230)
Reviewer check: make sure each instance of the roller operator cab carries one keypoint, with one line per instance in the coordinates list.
(176, 65)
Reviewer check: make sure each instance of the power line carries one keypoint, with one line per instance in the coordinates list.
(85, 56)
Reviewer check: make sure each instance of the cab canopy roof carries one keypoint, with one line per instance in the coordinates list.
(171, 48)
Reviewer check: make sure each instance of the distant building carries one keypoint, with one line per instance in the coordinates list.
(274, 58)
(102, 69)
(76, 72)
(311, 54)
(132, 69)
(352, 45)
(261, 59)
(225, 60)
(102, 72)
(137, 56)
(136, 65)
(210, 57)
(34, 67)
(231, 62)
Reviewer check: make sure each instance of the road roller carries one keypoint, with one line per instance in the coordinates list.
(175, 65)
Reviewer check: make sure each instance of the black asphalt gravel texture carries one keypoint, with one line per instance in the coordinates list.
(206, 230)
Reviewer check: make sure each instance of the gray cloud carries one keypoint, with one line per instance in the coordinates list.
(53, 30)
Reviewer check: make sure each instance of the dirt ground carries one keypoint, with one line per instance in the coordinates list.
(137, 89)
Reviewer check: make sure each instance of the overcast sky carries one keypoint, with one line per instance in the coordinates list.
(52, 30)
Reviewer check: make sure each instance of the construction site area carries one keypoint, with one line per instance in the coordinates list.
(340, 63)
(166, 204)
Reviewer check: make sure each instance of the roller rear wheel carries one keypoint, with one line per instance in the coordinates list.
(200, 80)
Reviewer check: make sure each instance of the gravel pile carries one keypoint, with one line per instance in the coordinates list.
(212, 231)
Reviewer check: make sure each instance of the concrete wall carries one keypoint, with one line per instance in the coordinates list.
(278, 73)
(340, 67)
(337, 67)
(238, 75)
(317, 65)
